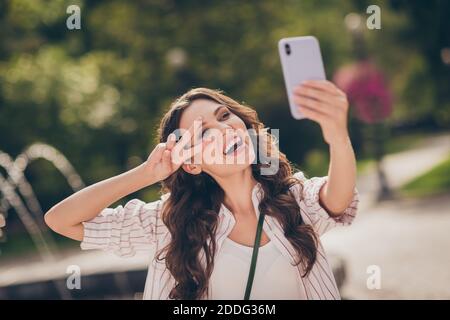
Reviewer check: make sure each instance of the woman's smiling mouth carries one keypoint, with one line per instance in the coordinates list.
(233, 145)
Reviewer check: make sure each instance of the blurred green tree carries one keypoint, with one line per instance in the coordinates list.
(97, 93)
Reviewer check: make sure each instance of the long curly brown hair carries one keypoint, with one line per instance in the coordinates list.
(191, 215)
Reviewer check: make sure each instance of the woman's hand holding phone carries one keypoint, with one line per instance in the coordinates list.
(324, 103)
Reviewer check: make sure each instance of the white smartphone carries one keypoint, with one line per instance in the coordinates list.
(301, 60)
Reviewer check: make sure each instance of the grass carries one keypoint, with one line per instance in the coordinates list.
(435, 181)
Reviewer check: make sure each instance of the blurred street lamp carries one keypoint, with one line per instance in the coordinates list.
(353, 22)
(178, 62)
(176, 58)
(355, 25)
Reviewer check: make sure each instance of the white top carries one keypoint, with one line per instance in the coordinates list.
(274, 277)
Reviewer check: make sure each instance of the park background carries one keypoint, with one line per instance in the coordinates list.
(80, 106)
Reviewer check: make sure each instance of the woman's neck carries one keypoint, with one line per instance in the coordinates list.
(238, 190)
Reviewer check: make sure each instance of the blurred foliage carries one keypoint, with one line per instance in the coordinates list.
(96, 94)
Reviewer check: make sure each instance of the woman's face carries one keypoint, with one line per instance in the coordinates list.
(231, 150)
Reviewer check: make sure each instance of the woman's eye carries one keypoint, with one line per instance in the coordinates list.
(224, 115)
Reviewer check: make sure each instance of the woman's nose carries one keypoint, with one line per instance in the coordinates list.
(223, 127)
(227, 130)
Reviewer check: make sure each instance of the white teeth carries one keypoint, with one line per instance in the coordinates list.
(230, 146)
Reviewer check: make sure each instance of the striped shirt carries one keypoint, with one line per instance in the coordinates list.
(138, 226)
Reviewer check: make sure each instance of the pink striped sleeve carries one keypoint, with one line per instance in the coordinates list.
(314, 213)
(123, 230)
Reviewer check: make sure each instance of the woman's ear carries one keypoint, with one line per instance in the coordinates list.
(192, 168)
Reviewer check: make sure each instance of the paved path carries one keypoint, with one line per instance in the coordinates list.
(408, 239)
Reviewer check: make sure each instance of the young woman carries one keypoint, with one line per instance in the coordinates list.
(202, 229)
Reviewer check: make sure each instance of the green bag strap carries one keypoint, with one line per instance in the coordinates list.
(251, 273)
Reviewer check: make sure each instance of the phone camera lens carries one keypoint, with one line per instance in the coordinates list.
(287, 47)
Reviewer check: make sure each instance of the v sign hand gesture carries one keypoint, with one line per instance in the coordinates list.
(168, 157)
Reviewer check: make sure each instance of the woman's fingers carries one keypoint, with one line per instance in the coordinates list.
(164, 154)
(196, 149)
(324, 90)
(171, 141)
(187, 136)
(324, 85)
(312, 104)
(180, 147)
(313, 114)
(157, 153)
(321, 95)
(167, 161)
(313, 92)
(324, 103)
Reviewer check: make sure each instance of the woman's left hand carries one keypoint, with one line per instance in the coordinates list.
(324, 103)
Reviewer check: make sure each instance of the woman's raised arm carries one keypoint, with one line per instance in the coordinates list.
(67, 216)
(324, 103)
